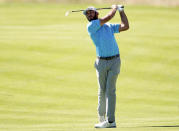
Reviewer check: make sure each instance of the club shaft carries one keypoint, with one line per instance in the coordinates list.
(76, 10)
(103, 8)
(106, 8)
(96, 9)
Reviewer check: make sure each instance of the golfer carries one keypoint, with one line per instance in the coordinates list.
(108, 60)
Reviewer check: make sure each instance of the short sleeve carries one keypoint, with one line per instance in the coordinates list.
(93, 26)
(115, 27)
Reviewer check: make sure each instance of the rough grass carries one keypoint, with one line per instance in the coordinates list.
(47, 79)
(124, 2)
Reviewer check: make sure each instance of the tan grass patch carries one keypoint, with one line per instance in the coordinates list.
(135, 2)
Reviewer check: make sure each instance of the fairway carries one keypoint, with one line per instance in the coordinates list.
(47, 75)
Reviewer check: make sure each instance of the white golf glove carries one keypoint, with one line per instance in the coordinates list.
(114, 6)
(120, 8)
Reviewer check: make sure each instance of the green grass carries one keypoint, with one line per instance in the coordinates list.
(47, 78)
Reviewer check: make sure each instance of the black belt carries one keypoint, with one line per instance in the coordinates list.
(108, 58)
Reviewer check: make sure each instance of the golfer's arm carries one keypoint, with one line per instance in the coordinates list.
(108, 17)
(124, 22)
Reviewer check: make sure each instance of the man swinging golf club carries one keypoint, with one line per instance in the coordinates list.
(108, 61)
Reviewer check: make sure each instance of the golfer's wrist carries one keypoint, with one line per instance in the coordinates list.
(115, 9)
(120, 10)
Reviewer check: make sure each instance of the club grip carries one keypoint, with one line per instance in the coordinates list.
(107, 8)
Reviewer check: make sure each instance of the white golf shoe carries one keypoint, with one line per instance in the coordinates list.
(105, 124)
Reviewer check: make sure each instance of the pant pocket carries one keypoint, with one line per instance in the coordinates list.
(116, 67)
(96, 63)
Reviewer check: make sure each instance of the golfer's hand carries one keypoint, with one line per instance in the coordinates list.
(114, 7)
(109, 16)
(120, 8)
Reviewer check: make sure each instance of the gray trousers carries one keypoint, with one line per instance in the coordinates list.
(107, 72)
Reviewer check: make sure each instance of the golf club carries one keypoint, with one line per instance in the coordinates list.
(68, 12)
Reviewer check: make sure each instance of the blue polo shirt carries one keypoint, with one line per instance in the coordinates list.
(103, 38)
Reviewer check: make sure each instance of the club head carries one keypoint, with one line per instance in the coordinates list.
(67, 13)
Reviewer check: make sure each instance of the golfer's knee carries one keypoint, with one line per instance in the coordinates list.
(111, 91)
(101, 91)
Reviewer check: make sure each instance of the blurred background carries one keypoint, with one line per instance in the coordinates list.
(149, 2)
(47, 76)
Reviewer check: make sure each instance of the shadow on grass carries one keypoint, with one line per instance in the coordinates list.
(163, 126)
(176, 126)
